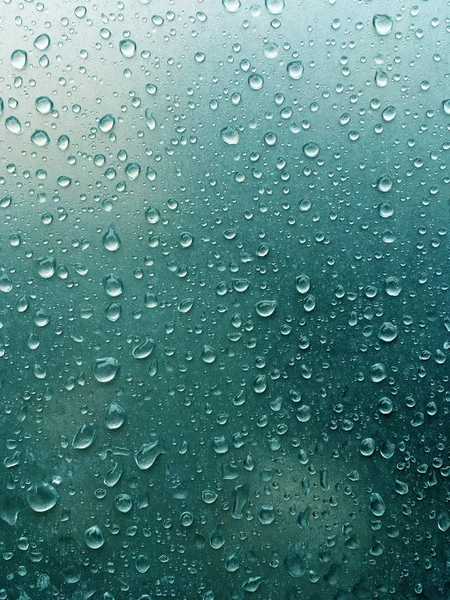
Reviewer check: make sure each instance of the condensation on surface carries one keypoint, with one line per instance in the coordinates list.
(224, 325)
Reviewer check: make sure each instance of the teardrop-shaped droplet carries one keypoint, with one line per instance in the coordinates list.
(19, 59)
(302, 283)
(42, 497)
(144, 349)
(186, 305)
(40, 138)
(147, 455)
(85, 436)
(63, 142)
(113, 285)
(377, 505)
(265, 308)
(150, 119)
(111, 240)
(106, 123)
(152, 215)
(105, 369)
(114, 416)
(13, 125)
(127, 48)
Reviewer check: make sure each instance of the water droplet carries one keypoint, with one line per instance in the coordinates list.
(265, 308)
(42, 497)
(19, 59)
(388, 332)
(85, 436)
(123, 503)
(114, 416)
(384, 184)
(381, 79)
(147, 455)
(295, 69)
(105, 369)
(446, 106)
(144, 349)
(63, 142)
(13, 125)
(378, 372)
(111, 240)
(256, 81)
(275, 7)
(40, 138)
(186, 239)
(208, 354)
(106, 123)
(43, 105)
(127, 48)
(304, 413)
(392, 286)
(133, 170)
(385, 406)
(309, 303)
(382, 24)
(150, 119)
(311, 149)
(367, 446)
(302, 283)
(186, 305)
(93, 536)
(42, 42)
(231, 6)
(152, 215)
(377, 505)
(389, 114)
(230, 136)
(113, 285)
(266, 514)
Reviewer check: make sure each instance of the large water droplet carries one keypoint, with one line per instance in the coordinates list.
(377, 505)
(42, 497)
(93, 536)
(111, 240)
(144, 349)
(311, 149)
(231, 6)
(388, 332)
(265, 308)
(43, 105)
(106, 123)
(105, 369)
(295, 69)
(127, 48)
(85, 436)
(275, 7)
(19, 59)
(42, 42)
(382, 24)
(13, 125)
(40, 138)
(230, 136)
(113, 285)
(114, 416)
(147, 455)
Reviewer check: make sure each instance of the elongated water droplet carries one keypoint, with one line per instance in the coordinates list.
(85, 436)
(377, 505)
